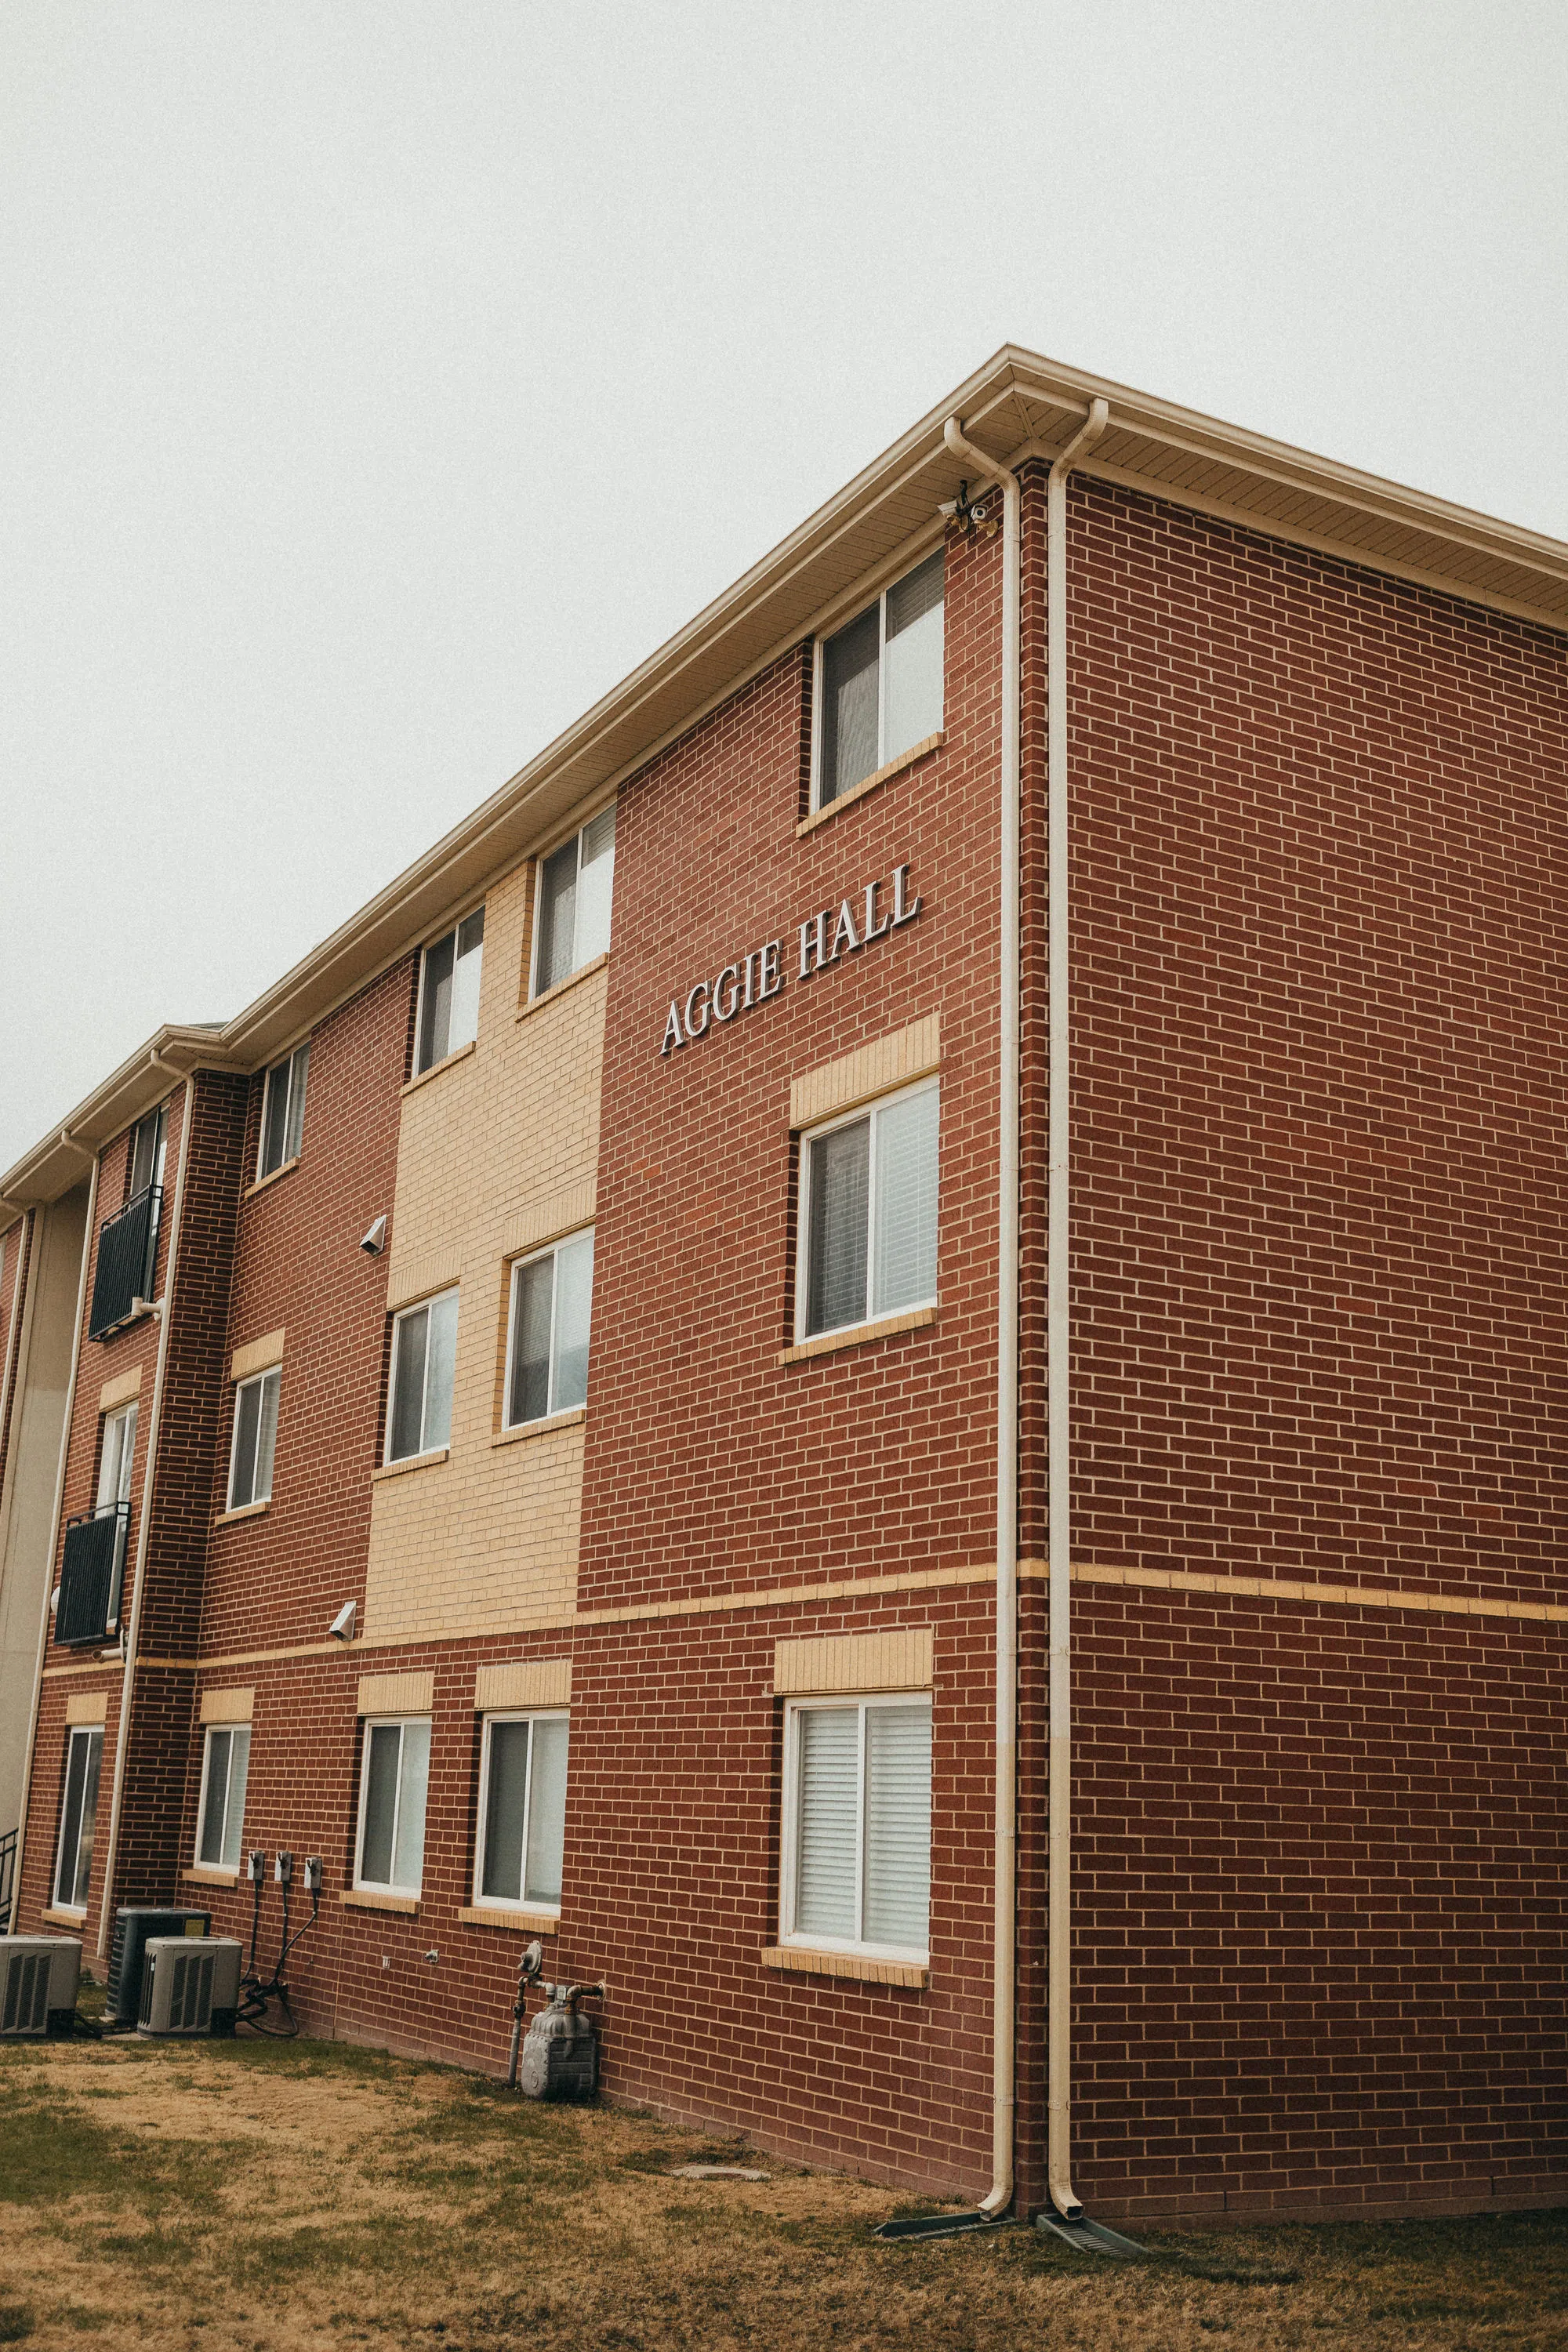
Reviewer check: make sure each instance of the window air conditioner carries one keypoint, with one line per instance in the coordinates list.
(134, 1924)
(190, 1984)
(39, 1979)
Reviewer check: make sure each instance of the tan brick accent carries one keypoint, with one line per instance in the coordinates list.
(799, 1963)
(870, 1070)
(527, 1682)
(559, 1213)
(227, 1705)
(259, 1356)
(494, 1159)
(421, 1276)
(395, 1694)
(525, 1923)
(87, 1706)
(121, 1389)
(855, 1662)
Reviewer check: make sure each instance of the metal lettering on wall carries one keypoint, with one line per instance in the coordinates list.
(826, 939)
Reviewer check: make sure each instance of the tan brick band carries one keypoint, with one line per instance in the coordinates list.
(870, 1070)
(855, 1662)
(797, 1962)
(229, 1706)
(87, 1706)
(396, 1694)
(527, 1682)
(259, 1355)
(121, 1389)
(422, 1276)
(558, 1213)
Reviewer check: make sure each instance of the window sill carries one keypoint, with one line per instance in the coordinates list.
(285, 1168)
(527, 1923)
(856, 1334)
(242, 1511)
(795, 1959)
(364, 1898)
(435, 1068)
(567, 1420)
(66, 1918)
(208, 1874)
(870, 783)
(410, 1462)
(572, 980)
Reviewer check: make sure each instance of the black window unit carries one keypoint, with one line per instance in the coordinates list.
(89, 1579)
(127, 1254)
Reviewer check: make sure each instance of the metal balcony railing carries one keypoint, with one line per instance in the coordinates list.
(91, 1577)
(127, 1252)
(7, 1878)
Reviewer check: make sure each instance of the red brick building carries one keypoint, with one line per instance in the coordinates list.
(544, 1433)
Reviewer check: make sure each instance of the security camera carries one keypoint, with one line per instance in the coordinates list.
(341, 1628)
(374, 1240)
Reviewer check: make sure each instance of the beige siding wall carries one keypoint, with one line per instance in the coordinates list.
(486, 1541)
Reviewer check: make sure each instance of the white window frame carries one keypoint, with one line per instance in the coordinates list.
(524, 1901)
(228, 1781)
(88, 1732)
(257, 1379)
(125, 1417)
(857, 611)
(551, 1250)
(810, 1134)
(540, 862)
(381, 1723)
(789, 1857)
(449, 930)
(417, 1307)
(285, 1069)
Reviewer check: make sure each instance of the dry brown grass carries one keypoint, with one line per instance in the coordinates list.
(265, 2198)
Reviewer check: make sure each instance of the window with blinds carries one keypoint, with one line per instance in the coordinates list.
(572, 911)
(522, 1812)
(868, 1221)
(228, 1766)
(879, 684)
(283, 1112)
(857, 1858)
(394, 1777)
(424, 1365)
(547, 1340)
(449, 992)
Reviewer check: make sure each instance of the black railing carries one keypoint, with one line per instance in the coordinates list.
(7, 1878)
(89, 1579)
(127, 1251)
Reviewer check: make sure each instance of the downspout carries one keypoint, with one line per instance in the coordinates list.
(1058, 1338)
(55, 1533)
(1004, 1927)
(121, 1741)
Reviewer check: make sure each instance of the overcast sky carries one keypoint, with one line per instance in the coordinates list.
(382, 382)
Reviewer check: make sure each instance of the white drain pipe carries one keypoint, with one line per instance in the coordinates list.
(1058, 1338)
(1003, 1932)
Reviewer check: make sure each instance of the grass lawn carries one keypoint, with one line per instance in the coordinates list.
(255, 2194)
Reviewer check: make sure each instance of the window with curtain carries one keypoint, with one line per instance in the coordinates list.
(868, 1214)
(283, 1111)
(224, 1771)
(254, 1439)
(547, 1353)
(393, 1780)
(523, 1810)
(857, 1861)
(449, 992)
(880, 682)
(79, 1817)
(423, 1360)
(572, 911)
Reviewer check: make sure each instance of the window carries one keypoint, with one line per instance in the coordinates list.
(449, 992)
(255, 1436)
(856, 1850)
(79, 1816)
(423, 1354)
(573, 915)
(148, 1143)
(391, 1805)
(115, 1457)
(523, 1810)
(223, 1773)
(880, 682)
(547, 1348)
(283, 1111)
(868, 1215)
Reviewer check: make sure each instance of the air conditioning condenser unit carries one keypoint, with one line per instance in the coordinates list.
(190, 1984)
(38, 1980)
